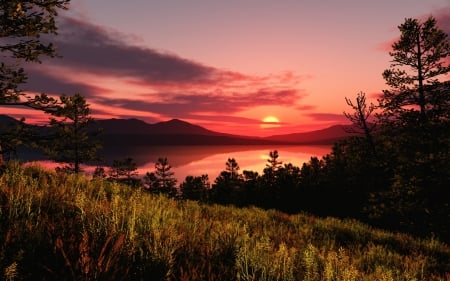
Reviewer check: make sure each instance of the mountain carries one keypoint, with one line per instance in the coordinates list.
(173, 132)
(176, 127)
(324, 136)
(139, 127)
(6, 120)
(135, 132)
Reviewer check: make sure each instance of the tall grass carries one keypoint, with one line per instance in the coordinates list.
(67, 227)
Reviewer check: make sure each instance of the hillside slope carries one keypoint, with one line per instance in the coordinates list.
(72, 228)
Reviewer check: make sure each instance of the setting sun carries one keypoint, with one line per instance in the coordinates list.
(270, 122)
(271, 119)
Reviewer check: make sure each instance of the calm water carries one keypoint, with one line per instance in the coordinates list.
(198, 160)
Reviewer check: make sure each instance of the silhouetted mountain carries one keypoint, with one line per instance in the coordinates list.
(131, 132)
(139, 127)
(173, 132)
(6, 120)
(324, 136)
(122, 126)
(177, 127)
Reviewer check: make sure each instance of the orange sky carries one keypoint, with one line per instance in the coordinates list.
(224, 65)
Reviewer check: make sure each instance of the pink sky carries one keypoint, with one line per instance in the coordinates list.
(224, 65)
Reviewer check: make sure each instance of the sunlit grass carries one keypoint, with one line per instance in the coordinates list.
(67, 227)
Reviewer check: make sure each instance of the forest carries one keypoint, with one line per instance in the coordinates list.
(393, 173)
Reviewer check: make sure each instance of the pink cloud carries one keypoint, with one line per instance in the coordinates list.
(125, 79)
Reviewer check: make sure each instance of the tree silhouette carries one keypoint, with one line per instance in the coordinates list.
(123, 170)
(227, 185)
(272, 166)
(22, 22)
(415, 128)
(13, 135)
(195, 188)
(419, 59)
(232, 167)
(360, 118)
(161, 181)
(71, 141)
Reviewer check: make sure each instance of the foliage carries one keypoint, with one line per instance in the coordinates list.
(360, 118)
(195, 188)
(416, 129)
(419, 60)
(22, 22)
(162, 180)
(66, 227)
(71, 141)
(227, 185)
(124, 171)
(12, 136)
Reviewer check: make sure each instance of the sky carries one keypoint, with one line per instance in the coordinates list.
(224, 65)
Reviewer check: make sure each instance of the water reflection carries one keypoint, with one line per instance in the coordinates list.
(198, 160)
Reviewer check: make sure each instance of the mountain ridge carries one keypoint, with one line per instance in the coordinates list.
(135, 131)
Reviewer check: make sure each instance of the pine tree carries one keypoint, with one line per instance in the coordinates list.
(22, 22)
(420, 58)
(71, 141)
(162, 180)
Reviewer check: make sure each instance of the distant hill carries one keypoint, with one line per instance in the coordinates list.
(6, 120)
(324, 136)
(139, 127)
(131, 132)
(173, 132)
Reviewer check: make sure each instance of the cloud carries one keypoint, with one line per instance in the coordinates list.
(92, 48)
(306, 107)
(375, 95)
(114, 74)
(328, 117)
(182, 105)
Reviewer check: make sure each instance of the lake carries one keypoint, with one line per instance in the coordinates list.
(198, 160)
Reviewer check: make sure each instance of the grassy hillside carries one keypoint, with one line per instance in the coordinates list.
(66, 227)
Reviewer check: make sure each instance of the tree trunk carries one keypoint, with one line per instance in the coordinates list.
(1, 155)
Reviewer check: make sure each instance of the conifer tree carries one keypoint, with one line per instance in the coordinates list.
(22, 24)
(419, 60)
(162, 180)
(70, 141)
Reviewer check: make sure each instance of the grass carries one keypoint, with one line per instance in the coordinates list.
(67, 227)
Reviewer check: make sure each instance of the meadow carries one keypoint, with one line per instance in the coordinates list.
(57, 226)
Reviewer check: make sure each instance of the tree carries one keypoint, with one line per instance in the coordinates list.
(195, 188)
(162, 180)
(415, 129)
(419, 59)
(288, 180)
(99, 173)
(22, 23)
(13, 135)
(232, 167)
(360, 118)
(272, 161)
(227, 185)
(271, 168)
(123, 171)
(71, 140)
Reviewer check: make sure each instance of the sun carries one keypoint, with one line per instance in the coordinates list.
(270, 122)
